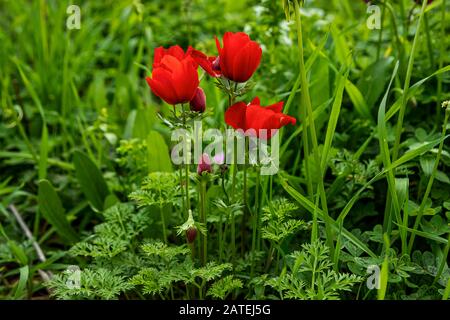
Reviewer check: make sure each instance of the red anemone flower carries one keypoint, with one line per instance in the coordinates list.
(256, 117)
(237, 60)
(174, 77)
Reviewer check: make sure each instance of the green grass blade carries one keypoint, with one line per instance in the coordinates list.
(22, 283)
(334, 116)
(311, 208)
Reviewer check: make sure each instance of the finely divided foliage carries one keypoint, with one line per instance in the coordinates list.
(93, 204)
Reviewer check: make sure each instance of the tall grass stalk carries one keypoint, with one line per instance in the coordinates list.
(401, 115)
(306, 104)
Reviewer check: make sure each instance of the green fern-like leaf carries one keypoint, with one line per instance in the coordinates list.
(93, 284)
(311, 276)
(157, 248)
(223, 287)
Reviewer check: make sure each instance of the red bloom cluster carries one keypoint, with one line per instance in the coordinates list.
(175, 80)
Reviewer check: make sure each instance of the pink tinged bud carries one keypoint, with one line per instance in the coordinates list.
(198, 103)
(204, 165)
(191, 234)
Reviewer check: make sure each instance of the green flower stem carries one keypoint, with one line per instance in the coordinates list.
(245, 191)
(256, 223)
(306, 103)
(233, 188)
(233, 238)
(245, 195)
(203, 218)
(163, 222)
(183, 202)
(192, 247)
(430, 182)
(222, 232)
(220, 228)
(188, 200)
(257, 208)
(186, 169)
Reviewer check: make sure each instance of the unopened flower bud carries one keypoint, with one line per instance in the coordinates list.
(204, 165)
(198, 103)
(191, 234)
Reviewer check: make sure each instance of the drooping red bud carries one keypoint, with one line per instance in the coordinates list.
(204, 165)
(198, 103)
(191, 234)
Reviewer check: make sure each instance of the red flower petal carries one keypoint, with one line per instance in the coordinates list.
(235, 116)
(239, 57)
(256, 101)
(205, 62)
(277, 107)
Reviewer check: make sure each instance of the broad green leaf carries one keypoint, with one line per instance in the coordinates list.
(427, 164)
(18, 252)
(436, 226)
(442, 177)
(143, 121)
(51, 208)
(158, 153)
(358, 100)
(128, 131)
(341, 47)
(110, 200)
(402, 188)
(373, 80)
(92, 183)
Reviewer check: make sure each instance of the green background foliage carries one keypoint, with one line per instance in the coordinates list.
(84, 155)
